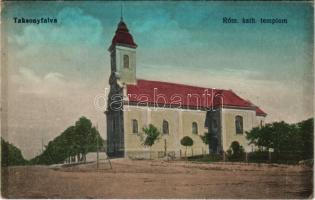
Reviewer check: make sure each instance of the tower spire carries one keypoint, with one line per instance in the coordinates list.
(121, 12)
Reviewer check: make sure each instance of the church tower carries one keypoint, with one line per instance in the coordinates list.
(123, 72)
(123, 55)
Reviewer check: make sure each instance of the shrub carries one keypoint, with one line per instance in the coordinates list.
(236, 152)
(187, 142)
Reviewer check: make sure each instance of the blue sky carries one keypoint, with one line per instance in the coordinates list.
(56, 70)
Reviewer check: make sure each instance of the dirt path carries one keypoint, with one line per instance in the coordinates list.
(158, 179)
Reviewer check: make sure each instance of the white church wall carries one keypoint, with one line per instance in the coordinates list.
(132, 140)
(228, 127)
(190, 116)
(180, 125)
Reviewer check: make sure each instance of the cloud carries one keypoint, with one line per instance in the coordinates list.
(55, 71)
(74, 27)
(72, 47)
(160, 28)
(29, 75)
(42, 106)
(50, 84)
(54, 77)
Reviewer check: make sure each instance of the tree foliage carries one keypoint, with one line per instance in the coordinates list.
(283, 137)
(76, 140)
(211, 140)
(206, 138)
(11, 155)
(235, 152)
(306, 137)
(151, 135)
(186, 141)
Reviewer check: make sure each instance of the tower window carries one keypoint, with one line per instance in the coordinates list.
(194, 128)
(239, 124)
(165, 127)
(134, 126)
(126, 61)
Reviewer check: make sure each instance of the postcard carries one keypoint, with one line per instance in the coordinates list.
(157, 99)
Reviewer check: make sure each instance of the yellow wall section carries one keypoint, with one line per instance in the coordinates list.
(229, 135)
(180, 125)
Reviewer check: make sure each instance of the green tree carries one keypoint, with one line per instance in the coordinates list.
(95, 140)
(285, 139)
(82, 136)
(70, 143)
(206, 138)
(283, 134)
(75, 141)
(306, 131)
(261, 137)
(275, 136)
(187, 142)
(150, 136)
(11, 155)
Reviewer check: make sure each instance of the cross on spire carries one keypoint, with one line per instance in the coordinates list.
(121, 12)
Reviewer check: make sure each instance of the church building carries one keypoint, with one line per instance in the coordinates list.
(177, 110)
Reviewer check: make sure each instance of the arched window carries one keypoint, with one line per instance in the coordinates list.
(126, 61)
(239, 124)
(134, 126)
(165, 127)
(194, 128)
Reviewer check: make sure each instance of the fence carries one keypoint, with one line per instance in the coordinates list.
(172, 154)
(141, 155)
(249, 157)
(255, 157)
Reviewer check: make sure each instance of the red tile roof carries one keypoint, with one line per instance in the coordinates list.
(156, 92)
(122, 36)
(260, 112)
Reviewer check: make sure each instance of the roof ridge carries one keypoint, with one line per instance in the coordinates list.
(180, 84)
